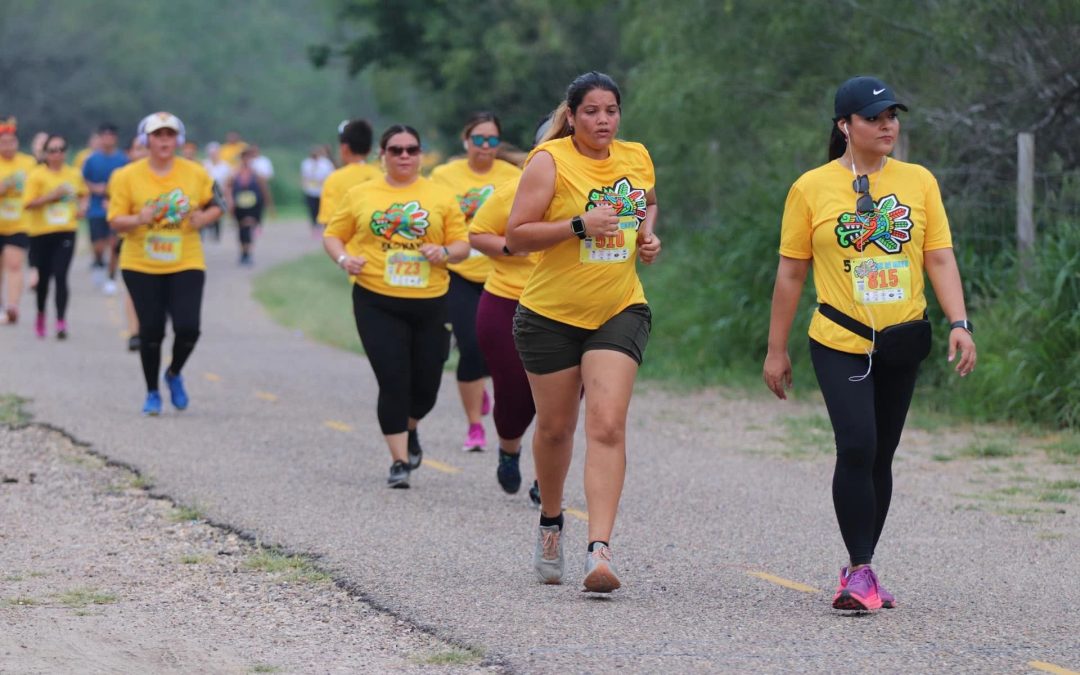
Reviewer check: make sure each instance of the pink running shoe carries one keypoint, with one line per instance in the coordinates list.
(476, 439)
(887, 599)
(485, 407)
(39, 326)
(858, 591)
(61, 329)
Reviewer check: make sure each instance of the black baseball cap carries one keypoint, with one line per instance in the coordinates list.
(864, 96)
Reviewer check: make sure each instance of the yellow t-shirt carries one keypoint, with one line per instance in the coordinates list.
(59, 216)
(583, 282)
(868, 267)
(230, 152)
(509, 272)
(13, 175)
(387, 225)
(338, 183)
(471, 190)
(167, 245)
(80, 158)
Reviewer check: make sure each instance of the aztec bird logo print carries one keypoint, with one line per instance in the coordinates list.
(888, 227)
(171, 208)
(622, 196)
(472, 200)
(408, 221)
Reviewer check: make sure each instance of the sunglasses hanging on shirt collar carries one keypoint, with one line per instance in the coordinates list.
(865, 202)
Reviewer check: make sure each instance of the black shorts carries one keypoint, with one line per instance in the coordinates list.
(99, 228)
(548, 346)
(18, 240)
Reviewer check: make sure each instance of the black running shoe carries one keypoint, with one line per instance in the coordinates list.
(399, 475)
(534, 494)
(133, 343)
(508, 473)
(416, 453)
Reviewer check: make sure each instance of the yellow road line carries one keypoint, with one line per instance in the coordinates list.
(266, 396)
(439, 466)
(337, 426)
(1051, 668)
(786, 583)
(580, 515)
(213, 377)
(122, 333)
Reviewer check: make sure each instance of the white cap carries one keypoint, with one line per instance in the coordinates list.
(163, 120)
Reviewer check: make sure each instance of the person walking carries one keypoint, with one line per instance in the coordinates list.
(15, 167)
(869, 226)
(220, 171)
(314, 170)
(56, 198)
(354, 137)
(159, 204)
(247, 194)
(473, 180)
(394, 237)
(588, 202)
(96, 171)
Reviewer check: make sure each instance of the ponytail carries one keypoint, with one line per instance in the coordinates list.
(837, 142)
(560, 124)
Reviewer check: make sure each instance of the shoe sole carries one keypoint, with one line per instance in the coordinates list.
(601, 580)
(852, 603)
(473, 448)
(400, 485)
(548, 581)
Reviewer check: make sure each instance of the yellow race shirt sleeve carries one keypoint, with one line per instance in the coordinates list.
(338, 183)
(938, 234)
(387, 225)
(796, 227)
(472, 190)
(14, 174)
(168, 244)
(585, 282)
(509, 273)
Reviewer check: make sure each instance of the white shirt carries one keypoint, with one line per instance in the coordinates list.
(263, 167)
(313, 171)
(219, 171)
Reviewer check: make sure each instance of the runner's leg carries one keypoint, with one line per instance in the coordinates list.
(149, 294)
(184, 300)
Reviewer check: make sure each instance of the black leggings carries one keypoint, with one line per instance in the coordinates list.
(52, 256)
(462, 301)
(867, 418)
(177, 296)
(407, 343)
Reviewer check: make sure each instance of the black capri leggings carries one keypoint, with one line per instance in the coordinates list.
(177, 296)
(867, 419)
(463, 299)
(407, 342)
(51, 254)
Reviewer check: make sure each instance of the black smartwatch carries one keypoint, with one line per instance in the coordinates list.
(577, 226)
(963, 323)
(506, 250)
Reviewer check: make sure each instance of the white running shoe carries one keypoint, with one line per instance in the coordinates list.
(109, 287)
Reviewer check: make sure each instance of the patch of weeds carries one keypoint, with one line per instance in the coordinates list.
(984, 447)
(453, 657)
(1050, 536)
(183, 514)
(141, 482)
(1064, 449)
(264, 668)
(1064, 485)
(84, 460)
(808, 434)
(12, 410)
(942, 458)
(13, 578)
(926, 419)
(291, 567)
(38, 575)
(193, 559)
(22, 602)
(81, 597)
(1055, 497)
(1011, 491)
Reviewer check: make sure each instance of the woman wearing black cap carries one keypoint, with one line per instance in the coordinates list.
(870, 226)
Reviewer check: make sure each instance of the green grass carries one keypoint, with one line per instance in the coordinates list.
(1064, 449)
(81, 597)
(808, 434)
(191, 559)
(183, 514)
(264, 668)
(21, 602)
(289, 567)
(12, 410)
(989, 448)
(456, 656)
(942, 458)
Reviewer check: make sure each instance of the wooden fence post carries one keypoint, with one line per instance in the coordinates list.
(1025, 201)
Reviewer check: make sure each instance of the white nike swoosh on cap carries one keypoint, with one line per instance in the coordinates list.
(878, 91)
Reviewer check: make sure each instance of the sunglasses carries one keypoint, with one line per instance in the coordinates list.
(865, 202)
(479, 139)
(55, 149)
(398, 150)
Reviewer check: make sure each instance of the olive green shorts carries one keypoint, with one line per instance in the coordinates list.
(547, 346)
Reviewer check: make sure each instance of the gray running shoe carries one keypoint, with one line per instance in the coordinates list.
(416, 453)
(399, 475)
(548, 556)
(600, 574)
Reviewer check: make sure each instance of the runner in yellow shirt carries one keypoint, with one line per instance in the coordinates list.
(232, 147)
(473, 179)
(56, 198)
(394, 237)
(15, 167)
(869, 225)
(355, 142)
(588, 201)
(159, 204)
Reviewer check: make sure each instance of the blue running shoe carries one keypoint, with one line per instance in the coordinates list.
(509, 473)
(177, 394)
(152, 407)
